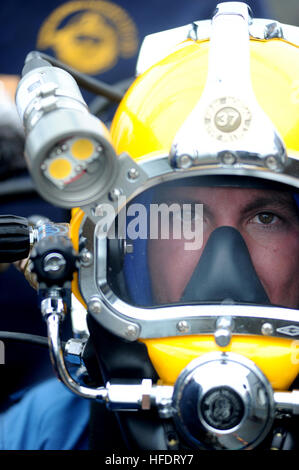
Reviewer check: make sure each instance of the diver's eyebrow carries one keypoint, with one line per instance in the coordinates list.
(185, 200)
(274, 201)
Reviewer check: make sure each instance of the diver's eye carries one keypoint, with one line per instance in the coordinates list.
(265, 218)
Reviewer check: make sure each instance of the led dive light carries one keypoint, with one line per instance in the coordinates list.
(68, 150)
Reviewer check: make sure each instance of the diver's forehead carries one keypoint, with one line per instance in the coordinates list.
(229, 199)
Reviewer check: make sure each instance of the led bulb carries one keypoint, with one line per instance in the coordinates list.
(60, 168)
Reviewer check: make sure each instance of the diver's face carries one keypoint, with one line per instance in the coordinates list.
(268, 222)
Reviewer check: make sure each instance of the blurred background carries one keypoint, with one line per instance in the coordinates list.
(99, 38)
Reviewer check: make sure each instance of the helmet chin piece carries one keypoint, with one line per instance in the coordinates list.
(225, 271)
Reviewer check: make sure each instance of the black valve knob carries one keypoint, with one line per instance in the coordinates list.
(54, 260)
(14, 238)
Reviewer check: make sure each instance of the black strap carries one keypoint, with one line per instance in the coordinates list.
(104, 429)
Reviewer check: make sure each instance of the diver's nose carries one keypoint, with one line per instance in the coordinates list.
(225, 271)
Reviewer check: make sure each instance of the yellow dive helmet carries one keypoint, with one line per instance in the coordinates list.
(215, 107)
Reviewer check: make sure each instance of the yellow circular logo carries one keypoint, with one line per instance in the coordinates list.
(89, 35)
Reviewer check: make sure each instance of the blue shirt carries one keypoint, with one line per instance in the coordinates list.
(48, 417)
